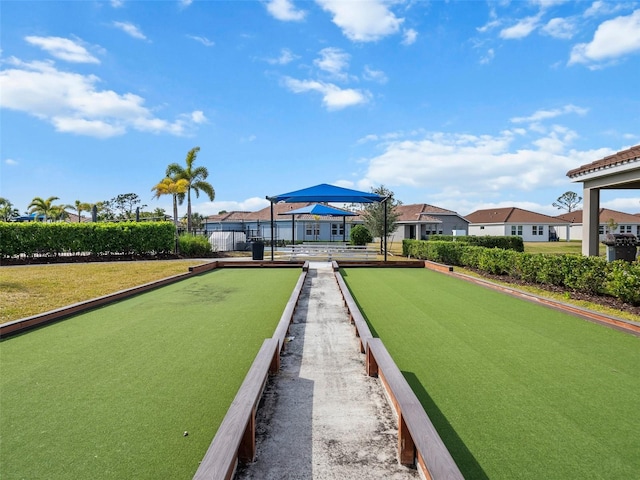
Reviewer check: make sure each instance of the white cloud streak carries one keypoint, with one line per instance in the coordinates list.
(613, 39)
(333, 97)
(203, 40)
(130, 29)
(63, 49)
(362, 21)
(285, 10)
(72, 103)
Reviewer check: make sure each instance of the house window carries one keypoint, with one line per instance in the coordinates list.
(601, 229)
(625, 229)
(312, 229)
(538, 230)
(516, 230)
(337, 229)
(482, 227)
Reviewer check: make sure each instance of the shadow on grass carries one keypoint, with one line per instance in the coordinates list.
(465, 460)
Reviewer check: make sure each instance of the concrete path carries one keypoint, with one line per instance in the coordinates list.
(322, 417)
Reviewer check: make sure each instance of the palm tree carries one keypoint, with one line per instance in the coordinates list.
(195, 178)
(44, 207)
(7, 210)
(81, 207)
(169, 186)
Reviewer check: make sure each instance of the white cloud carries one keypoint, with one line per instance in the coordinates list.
(333, 97)
(285, 10)
(409, 36)
(362, 21)
(488, 57)
(334, 61)
(63, 49)
(600, 8)
(185, 3)
(203, 40)
(117, 3)
(547, 114)
(286, 57)
(521, 29)
(492, 164)
(374, 75)
(613, 39)
(130, 29)
(72, 103)
(10, 162)
(560, 28)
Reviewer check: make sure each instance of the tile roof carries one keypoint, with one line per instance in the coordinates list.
(510, 215)
(630, 155)
(421, 212)
(604, 216)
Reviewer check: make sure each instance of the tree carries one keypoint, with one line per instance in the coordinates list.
(125, 204)
(7, 210)
(567, 201)
(169, 186)
(81, 207)
(374, 213)
(196, 179)
(44, 207)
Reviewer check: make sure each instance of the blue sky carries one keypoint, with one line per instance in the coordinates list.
(462, 105)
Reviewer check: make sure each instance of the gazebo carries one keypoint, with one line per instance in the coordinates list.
(325, 194)
(618, 171)
(320, 210)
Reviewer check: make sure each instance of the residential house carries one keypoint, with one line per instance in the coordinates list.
(419, 220)
(531, 226)
(623, 223)
(308, 228)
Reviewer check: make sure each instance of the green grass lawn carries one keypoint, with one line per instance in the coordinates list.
(561, 247)
(108, 394)
(516, 390)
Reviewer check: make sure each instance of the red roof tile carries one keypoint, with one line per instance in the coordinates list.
(631, 154)
(510, 215)
(604, 216)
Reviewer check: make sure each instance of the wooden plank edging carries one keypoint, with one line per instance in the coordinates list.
(287, 316)
(235, 439)
(357, 319)
(418, 440)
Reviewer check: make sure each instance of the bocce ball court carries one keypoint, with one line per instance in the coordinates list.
(110, 393)
(137, 388)
(515, 389)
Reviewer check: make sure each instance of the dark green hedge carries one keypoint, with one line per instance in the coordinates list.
(52, 239)
(507, 243)
(592, 275)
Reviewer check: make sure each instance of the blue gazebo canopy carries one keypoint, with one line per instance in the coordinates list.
(319, 209)
(326, 193)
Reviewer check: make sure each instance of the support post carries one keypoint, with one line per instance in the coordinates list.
(591, 221)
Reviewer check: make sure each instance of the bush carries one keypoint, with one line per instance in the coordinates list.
(360, 235)
(194, 246)
(52, 239)
(591, 275)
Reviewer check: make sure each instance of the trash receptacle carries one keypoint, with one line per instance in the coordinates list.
(621, 247)
(257, 250)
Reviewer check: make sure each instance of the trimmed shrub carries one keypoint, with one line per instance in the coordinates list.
(194, 246)
(360, 235)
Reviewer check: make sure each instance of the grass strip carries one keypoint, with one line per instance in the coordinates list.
(109, 393)
(516, 390)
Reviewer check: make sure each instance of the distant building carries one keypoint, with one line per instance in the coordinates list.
(531, 226)
(420, 220)
(625, 223)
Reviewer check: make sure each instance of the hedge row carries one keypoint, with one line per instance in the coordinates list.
(507, 243)
(592, 275)
(53, 239)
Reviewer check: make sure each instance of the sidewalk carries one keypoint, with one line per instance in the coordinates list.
(322, 417)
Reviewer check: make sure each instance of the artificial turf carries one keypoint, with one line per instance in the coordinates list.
(108, 394)
(516, 390)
